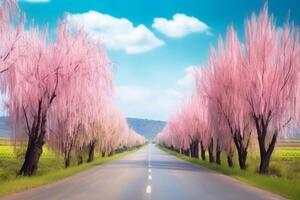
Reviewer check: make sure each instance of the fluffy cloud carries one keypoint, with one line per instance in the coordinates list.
(115, 33)
(188, 78)
(181, 25)
(185, 85)
(140, 101)
(132, 93)
(146, 102)
(174, 93)
(35, 1)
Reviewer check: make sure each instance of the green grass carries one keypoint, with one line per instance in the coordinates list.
(284, 178)
(51, 168)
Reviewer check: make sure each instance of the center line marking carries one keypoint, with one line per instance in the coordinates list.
(148, 189)
(149, 177)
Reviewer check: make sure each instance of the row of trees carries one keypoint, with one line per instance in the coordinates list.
(247, 90)
(58, 91)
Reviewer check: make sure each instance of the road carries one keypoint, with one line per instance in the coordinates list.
(146, 174)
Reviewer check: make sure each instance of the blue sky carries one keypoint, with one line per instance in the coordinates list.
(153, 45)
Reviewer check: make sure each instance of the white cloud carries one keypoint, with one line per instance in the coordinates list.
(143, 102)
(132, 93)
(174, 93)
(115, 33)
(36, 1)
(181, 25)
(159, 103)
(189, 77)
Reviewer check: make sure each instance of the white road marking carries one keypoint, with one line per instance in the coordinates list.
(148, 189)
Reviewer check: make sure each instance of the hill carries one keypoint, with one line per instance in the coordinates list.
(5, 129)
(146, 127)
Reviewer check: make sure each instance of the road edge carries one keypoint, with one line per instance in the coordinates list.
(252, 186)
(39, 181)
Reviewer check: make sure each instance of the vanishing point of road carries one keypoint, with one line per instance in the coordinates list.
(146, 174)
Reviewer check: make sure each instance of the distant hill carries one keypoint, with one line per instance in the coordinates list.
(146, 127)
(5, 129)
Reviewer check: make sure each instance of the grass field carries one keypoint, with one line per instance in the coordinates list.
(51, 168)
(284, 177)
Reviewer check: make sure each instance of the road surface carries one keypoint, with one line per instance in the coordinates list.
(148, 173)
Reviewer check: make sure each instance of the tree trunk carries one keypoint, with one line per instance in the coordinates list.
(241, 147)
(191, 153)
(185, 152)
(266, 156)
(110, 153)
(68, 153)
(203, 157)
(211, 151)
(103, 153)
(91, 148)
(218, 152)
(35, 144)
(80, 156)
(242, 158)
(265, 153)
(67, 157)
(194, 149)
(32, 156)
(229, 160)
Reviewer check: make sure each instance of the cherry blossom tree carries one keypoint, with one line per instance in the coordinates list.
(187, 130)
(50, 73)
(203, 130)
(271, 68)
(244, 89)
(114, 133)
(202, 77)
(11, 32)
(88, 89)
(225, 97)
(31, 86)
(58, 91)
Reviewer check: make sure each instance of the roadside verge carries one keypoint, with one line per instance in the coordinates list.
(284, 187)
(24, 183)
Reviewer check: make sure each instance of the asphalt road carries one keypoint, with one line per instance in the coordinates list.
(146, 174)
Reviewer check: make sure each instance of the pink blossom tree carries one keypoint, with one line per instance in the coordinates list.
(11, 33)
(81, 99)
(31, 86)
(245, 88)
(271, 69)
(226, 103)
(114, 133)
(199, 112)
(50, 73)
(187, 130)
(202, 87)
(58, 91)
